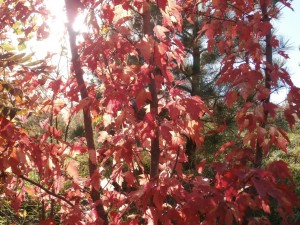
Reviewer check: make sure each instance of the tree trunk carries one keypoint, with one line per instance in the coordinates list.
(196, 70)
(95, 194)
(155, 152)
(196, 91)
(268, 70)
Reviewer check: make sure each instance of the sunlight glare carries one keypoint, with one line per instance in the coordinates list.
(57, 37)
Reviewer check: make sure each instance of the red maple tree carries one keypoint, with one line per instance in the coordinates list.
(142, 120)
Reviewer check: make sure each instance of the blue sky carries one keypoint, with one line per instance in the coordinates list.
(289, 27)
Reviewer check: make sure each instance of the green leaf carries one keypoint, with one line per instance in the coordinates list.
(17, 27)
(7, 47)
(21, 47)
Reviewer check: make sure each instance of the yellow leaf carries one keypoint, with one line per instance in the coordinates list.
(34, 63)
(16, 57)
(26, 58)
(7, 47)
(22, 213)
(30, 191)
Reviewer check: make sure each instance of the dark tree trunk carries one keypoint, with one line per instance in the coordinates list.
(155, 151)
(95, 194)
(268, 70)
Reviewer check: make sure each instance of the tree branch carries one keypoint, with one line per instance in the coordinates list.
(176, 160)
(46, 190)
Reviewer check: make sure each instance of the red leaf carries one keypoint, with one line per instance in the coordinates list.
(142, 97)
(146, 47)
(162, 4)
(261, 134)
(113, 106)
(48, 222)
(263, 93)
(280, 170)
(228, 218)
(165, 132)
(271, 108)
(72, 169)
(261, 186)
(129, 178)
(231, 97)
(107, 13)
(83, 104)
(169, 75)
(224, 147)
(53, 131)
(158, 200)
(289, 117)
(16, 203)
(284, 134)
(219, 4)
(282, 143)
(55, 85)
(160, 32)
(200, 167)
(95, 180)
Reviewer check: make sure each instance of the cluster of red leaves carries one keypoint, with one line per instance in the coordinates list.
(129, 121)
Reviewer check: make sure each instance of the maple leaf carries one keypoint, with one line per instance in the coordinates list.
(113, 106)
(29, 190)
(95, 180)
(55, 85)
(129, 178)
(219, 4)
(289, 117)
(160, 32)
(72, 169)
(58, 105)
(165, 132)
(142, 97)
(53, 131)
(108, 11)
(162, 4)
(224, 147)
(231, 97)
(146, 47)
(282, 143)
(152, 216)
(84, 103)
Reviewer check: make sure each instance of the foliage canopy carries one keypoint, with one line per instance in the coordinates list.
(145, 111)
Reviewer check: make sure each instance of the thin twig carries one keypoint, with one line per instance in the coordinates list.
(46, 190)
(176, 161)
